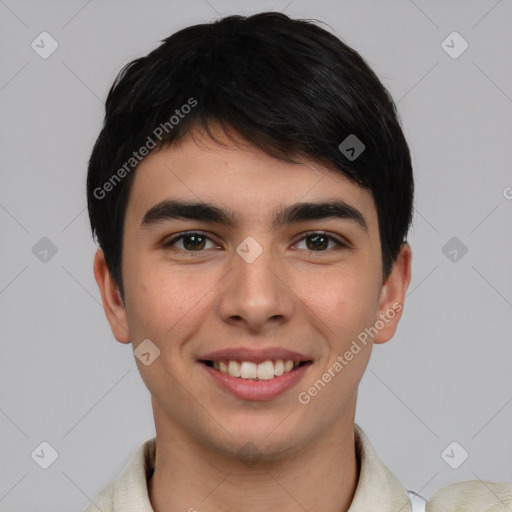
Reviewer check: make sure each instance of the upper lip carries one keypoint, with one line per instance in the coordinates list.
(254, 355)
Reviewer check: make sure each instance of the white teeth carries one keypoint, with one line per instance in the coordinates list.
(234, 369)
(279, 367)
(249, 370)
(266, 370)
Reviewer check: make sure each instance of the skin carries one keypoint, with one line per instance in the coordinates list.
(189, 303)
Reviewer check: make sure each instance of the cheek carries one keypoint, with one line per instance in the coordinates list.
(170, 304)
(346, 301)
(159, 298)
(164, 306)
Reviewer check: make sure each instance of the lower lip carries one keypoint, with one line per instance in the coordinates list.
(257, 389)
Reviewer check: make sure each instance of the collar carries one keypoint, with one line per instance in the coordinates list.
(377, 487)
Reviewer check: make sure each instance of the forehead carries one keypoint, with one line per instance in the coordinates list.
(239, 177)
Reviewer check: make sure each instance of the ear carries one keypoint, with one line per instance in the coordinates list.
(112, 303)
(392, 295)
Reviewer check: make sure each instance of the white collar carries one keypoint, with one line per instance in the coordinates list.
(377, 487)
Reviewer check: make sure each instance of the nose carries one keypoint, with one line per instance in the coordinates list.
(256, 293)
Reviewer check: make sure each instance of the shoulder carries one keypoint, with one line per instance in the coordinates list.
(472, 496)
(129, 491)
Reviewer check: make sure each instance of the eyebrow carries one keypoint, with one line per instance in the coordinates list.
(172, 209)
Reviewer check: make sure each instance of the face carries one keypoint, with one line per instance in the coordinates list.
(245, 284)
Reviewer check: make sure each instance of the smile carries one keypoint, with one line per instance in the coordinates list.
(266, 370)
(247, 380)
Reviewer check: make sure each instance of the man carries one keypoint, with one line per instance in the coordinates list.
(251, 192)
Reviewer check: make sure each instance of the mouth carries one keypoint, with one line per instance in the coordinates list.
(255, 374)
(249, 370)
(260, 380)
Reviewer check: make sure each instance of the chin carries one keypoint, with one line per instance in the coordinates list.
(269, 438)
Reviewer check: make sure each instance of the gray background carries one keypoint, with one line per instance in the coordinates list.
(444, 377)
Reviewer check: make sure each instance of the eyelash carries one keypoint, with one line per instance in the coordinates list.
(339, 245)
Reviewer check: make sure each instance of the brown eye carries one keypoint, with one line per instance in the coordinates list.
(319, 242)
(191, 242)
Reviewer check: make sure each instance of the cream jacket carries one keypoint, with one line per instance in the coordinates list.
(378, 490)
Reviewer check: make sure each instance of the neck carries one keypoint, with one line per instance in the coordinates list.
(321, 475)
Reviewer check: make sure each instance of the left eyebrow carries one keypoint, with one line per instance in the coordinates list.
(171, 209)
